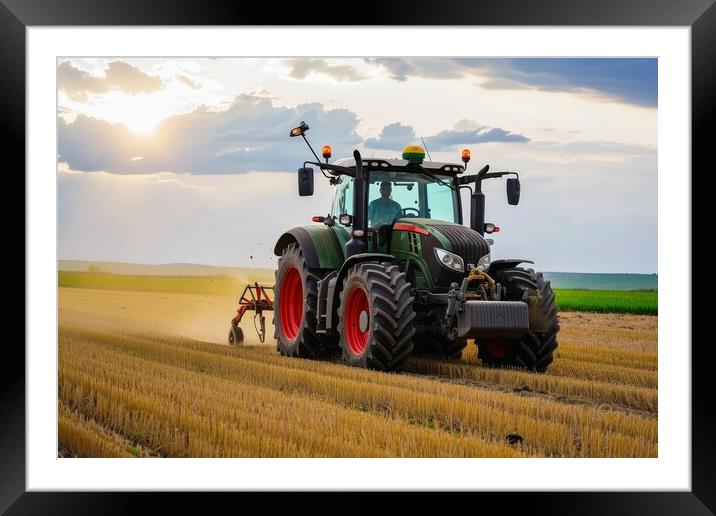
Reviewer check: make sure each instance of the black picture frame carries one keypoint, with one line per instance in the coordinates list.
(700, 15)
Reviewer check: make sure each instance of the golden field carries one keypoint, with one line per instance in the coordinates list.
(147, 374)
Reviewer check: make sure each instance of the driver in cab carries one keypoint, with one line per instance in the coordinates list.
(383, 210)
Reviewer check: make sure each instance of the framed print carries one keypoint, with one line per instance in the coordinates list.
(414, 256)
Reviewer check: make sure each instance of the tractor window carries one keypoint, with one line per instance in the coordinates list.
(343, 200)
(442, 204)
(392, 195)
(395, 195)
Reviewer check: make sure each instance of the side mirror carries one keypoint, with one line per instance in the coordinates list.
(305, 181)
(513, 191)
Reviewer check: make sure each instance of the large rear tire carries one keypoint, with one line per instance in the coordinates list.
(535, 349)
(295, 306)
(375, 317)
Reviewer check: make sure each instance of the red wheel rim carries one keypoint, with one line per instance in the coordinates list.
(497, 348)
(356, 305)
(291, 303)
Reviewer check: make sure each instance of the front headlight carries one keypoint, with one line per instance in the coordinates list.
(450, 260)
(483, 263)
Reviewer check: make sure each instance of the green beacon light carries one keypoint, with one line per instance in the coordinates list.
(414, 154)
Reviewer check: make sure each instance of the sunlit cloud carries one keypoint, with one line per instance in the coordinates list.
(302, 68)
(189, 82)
(119, 75)
(251, 134)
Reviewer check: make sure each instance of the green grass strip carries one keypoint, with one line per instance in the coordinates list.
(612, 301)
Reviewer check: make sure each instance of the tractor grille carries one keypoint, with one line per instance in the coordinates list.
(465, 242)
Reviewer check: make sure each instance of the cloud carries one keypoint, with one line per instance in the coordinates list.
(396, 136)
(77, 83)
(192, 84)
(400, 69)
(393, 136)
(250, 135)
(632, 81)
(468, 125)
(118, 75)
(302, 68)
(445, 140)
(130, 79)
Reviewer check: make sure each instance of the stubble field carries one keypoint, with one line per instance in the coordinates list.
(147, 374)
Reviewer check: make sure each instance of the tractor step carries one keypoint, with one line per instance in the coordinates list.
(326, 287)
(509, 319)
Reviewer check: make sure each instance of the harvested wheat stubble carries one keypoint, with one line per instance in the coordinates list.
(631, 333)
(185, 413)
(265, 355)
(601, 355)
(584, 375)
(547, 427)
(604, 372)
(84, 437)
(637, 398)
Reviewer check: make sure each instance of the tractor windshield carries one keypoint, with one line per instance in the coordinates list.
(395, 195)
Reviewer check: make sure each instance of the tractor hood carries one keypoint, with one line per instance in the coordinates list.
(456, 238)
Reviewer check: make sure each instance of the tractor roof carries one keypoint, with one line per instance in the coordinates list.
(402, 164)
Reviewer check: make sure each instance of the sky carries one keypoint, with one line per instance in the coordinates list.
(188, 160)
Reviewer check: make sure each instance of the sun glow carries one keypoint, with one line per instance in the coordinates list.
(141, 114)
(140, 125)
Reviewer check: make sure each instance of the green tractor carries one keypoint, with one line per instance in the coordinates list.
(392, 271)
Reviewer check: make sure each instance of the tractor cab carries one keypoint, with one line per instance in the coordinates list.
(397, 196)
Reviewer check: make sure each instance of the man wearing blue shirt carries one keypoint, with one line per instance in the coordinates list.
(383, 210)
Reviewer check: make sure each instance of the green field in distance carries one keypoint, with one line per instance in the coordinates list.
(614, 301)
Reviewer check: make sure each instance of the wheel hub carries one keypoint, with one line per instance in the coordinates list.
(363, 321)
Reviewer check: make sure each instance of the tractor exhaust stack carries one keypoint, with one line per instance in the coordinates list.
(358, 243)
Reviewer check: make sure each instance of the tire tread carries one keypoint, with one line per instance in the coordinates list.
(533, 351)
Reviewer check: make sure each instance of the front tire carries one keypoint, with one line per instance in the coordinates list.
(375, 317)
(295, 306)
(535, 349)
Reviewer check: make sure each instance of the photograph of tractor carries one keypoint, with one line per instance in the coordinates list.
(231, 283)
(391, 270)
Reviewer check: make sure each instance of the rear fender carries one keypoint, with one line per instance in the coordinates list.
(319, 244)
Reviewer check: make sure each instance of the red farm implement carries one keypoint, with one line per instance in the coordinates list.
(255, 298)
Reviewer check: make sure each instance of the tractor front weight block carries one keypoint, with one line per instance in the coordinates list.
(508, 319)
